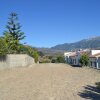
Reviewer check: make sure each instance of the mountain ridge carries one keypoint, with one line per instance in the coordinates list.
(90, 43)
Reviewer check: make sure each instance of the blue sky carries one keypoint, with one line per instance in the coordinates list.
(50, 22)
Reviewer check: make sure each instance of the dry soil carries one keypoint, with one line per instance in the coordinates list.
(48, 82)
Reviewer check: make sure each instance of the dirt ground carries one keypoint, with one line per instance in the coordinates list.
(49, 82)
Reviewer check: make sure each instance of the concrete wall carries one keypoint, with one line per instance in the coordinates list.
(15, 60)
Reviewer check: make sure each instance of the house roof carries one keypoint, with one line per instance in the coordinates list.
(95, 55)
(73, 54)
(79, 52)
(83, 52)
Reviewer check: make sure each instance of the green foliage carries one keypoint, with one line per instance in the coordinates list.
(35, 55)
(45, 61)
(54, 61)
(31, 52)
(3, 46)
(50, 57)
(84, 60)
(10, 42)
(60, 59)
(13, 35)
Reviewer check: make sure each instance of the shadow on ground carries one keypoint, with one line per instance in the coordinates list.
(76, 66)
(90, 92)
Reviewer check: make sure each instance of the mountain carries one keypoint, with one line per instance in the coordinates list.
(91, 43)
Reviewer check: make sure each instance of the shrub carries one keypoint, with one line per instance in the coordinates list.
(53, 61)
(60, 59)
(84, 60)
(35, 55)
(45, 61)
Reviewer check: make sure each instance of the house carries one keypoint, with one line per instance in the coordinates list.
(94, 60)
(73, 58)
(70, 57)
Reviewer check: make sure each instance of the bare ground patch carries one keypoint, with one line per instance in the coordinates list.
(47, 82)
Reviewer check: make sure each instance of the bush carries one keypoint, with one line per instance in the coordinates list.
(53, 61)
(45, 61)
(31, 52)
(60, 59)
(35, 55)
(3, 47)
(84, 60)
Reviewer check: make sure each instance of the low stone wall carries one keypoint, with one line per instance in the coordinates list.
(15, 60)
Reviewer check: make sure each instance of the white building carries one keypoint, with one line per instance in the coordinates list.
(73, 58)
(95, 60)
(68, 55)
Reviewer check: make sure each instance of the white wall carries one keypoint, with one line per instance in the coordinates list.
(93, 52)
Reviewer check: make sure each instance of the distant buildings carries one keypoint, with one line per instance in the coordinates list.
(73, 58)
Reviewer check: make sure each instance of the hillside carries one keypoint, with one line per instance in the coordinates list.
(49, 51)
(90, 43)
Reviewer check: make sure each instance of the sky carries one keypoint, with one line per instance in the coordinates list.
(47, 23)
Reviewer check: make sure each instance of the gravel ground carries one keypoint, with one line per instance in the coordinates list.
(49, 82)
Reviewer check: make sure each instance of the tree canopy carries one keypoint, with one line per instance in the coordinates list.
(84, 60)
(13, 34)
(10, 42)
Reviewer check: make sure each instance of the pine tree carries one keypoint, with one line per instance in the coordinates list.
(14, 33)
